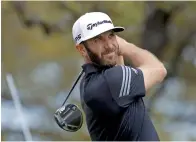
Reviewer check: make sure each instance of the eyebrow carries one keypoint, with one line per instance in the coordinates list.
(110, 32)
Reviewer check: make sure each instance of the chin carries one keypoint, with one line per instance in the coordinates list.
(110, 64)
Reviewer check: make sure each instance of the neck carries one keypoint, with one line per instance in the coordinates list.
(87, 61)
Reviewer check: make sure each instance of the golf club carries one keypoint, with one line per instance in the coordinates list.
(69, 117)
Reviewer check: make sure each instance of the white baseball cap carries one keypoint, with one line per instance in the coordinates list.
(92, 24)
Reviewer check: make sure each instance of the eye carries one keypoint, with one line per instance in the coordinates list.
(97, 38)
(111, 35)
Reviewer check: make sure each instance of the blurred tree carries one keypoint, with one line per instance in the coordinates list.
(155, 34)
(34, 20)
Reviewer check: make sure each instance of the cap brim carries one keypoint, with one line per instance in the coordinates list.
(118, 29)
(115, 29)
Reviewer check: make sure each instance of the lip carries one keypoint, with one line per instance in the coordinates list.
(110, 55)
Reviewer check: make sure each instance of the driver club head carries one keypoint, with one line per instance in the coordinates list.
(69, 117)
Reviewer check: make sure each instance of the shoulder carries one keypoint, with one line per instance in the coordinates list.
(97, 95)
(94, 87)
(121, 73)
(116, 75)
(125, 83)
(114, 71)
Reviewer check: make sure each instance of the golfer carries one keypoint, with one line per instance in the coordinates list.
(111, 92)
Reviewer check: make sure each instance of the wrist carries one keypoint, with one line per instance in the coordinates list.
(126, 48)
(122, 46)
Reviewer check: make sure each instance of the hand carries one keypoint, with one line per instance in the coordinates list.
(122, 45)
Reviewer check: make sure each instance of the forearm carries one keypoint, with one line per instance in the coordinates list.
(141, 57)
(138, 56)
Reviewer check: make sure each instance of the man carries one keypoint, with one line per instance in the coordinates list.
(112, 93)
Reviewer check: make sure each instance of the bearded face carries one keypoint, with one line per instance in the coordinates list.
(102, 49)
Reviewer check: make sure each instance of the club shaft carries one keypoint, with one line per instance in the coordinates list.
(73, 87)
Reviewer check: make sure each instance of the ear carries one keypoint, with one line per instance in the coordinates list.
(81, 49)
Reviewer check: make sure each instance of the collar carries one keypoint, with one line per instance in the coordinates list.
(92, 68)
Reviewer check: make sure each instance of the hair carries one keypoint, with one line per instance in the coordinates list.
(94, 58)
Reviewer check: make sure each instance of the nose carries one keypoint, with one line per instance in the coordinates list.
(108, 44)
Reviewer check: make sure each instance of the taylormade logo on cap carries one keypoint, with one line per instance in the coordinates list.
(92, 24)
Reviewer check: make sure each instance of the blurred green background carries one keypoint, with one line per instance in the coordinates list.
(38, 50)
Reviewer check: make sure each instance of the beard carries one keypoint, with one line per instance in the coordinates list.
(100, 61)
